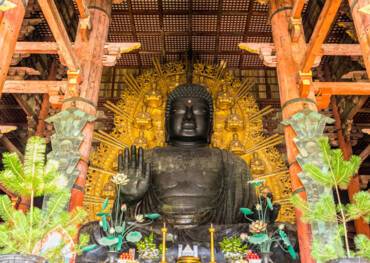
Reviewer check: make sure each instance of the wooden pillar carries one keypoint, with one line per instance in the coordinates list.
(289, 56)
(346, 147)
(90, 55)
(362, 26)
(10, 26)
(44, 111)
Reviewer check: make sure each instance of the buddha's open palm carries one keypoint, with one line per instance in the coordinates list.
(132, 164)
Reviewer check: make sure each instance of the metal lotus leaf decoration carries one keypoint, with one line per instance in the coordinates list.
(309, 126)
(67, 139)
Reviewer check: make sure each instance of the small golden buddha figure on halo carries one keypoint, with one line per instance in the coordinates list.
(143, 120)
(224, 99)
(141, 141)
(257, 166)
(234, 122)
(153, 98)
(236, 146)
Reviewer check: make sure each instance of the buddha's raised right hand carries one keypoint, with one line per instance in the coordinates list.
(137, 172)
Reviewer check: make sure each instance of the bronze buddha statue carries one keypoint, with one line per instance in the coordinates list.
(187, 182)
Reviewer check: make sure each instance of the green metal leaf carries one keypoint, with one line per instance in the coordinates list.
(105, 223)
(134, 236)
(257, 182)
(105, 204)
(119, 244)
(246, 211)
(100, 214)
(152, 216)
(269, 203)
(89, 248)
(119, 229)
(257, 239)
(292, 252)
(108, 241)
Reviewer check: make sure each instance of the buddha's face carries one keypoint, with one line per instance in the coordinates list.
(189, 121)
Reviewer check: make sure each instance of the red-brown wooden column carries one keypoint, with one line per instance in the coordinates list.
(90, 54)
(289, 56)
(10, 25)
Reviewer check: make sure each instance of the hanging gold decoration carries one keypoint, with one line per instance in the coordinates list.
(139, 119)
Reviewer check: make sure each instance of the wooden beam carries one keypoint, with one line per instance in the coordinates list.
(10, 26)
(35, 86)
(45, 105)
(365, 153)
(297, 9)
(24, 105)
(326, 49)
(342, 88)
(351, 114)
(10, 146)
(50, 12)
(82, 8)
(319, 34)
(52, 47)
(36, 48)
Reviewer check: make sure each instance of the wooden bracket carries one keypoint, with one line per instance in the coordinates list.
(84, 28)
(74, 79)
(113, 51)
(323, 98)
(295, 28)
(305, 82)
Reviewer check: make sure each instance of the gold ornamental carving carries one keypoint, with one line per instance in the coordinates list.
(139, 119)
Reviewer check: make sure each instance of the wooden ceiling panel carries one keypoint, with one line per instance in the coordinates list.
(205, 5)
(176, 23)
(204, 43)
(177, 43)
(127, 60)
(235, 5)
(147, 23)
(172, 57)
(259, 39)
(147, 59)
(230, 43)
(257, 7)
(204, 23)
(232, 23)
(144, 4)
(171, 5)
(150, 43)
(121, 38)
(120, 23)
(120, 7)
(259, 24)
(232, 60)
(251, 61)
(206, 58)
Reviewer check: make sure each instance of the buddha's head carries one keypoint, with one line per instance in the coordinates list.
(189, 116)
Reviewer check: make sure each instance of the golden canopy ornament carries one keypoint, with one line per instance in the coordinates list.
(139, 119)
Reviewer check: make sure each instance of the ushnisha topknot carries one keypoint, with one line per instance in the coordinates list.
(189, 90)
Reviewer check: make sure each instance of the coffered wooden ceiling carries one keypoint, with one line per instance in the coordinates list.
(212, 29)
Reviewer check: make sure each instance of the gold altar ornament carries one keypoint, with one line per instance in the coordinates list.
(212, 244)
(188, 259)
(164, 235)
(139, 118)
